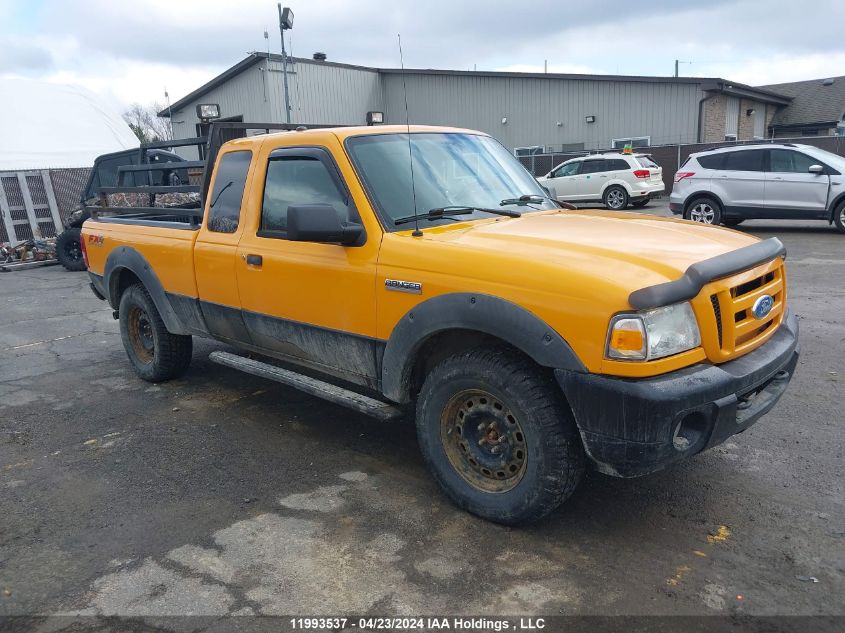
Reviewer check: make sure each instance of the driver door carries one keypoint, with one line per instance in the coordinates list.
(313, 302)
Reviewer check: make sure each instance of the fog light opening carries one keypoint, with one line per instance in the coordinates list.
(690, 431)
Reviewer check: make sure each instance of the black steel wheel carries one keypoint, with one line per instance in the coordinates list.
(69, 250)
(155, 353)
(498, 436)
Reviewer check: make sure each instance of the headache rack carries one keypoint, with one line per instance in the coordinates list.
(185, 213)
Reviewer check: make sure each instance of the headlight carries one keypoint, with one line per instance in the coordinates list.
(653, 334)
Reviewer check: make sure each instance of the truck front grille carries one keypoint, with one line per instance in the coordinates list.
(737, 329)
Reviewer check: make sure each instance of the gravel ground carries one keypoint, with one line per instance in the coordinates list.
(220, 493)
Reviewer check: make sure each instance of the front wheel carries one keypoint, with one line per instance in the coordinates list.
(704, 211)
(839, 217)
(155, 353)
(69, 250)
(498, 436)
(615, 198)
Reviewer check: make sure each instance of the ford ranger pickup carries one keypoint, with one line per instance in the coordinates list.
(424, 270)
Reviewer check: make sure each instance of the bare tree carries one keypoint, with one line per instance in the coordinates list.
(146, 124)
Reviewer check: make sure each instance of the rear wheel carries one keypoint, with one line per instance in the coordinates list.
(498, 436)
(615, 198)
(704, 211)
(839, 217)
(69, 250)
(155, 353)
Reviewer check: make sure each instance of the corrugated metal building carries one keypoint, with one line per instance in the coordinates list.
(522, 110)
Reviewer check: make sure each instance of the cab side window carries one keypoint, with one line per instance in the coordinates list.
(224, 211)
(294, 180)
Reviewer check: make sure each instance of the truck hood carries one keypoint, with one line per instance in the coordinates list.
(627, 250)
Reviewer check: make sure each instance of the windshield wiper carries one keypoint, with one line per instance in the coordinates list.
(445, 212)
(529, 198)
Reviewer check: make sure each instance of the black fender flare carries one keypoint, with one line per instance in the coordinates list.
(127, 258)
(469, 311)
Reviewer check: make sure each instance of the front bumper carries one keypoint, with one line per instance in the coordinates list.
(634, 427)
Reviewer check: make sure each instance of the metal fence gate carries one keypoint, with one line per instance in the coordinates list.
(28, 206)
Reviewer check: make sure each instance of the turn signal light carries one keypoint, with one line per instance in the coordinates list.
(642, 173)
(683, 174)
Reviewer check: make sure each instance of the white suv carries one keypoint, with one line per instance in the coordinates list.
(614, 179)
(771, 181)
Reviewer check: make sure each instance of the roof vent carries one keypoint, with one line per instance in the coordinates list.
(827, 82)
(319, 57)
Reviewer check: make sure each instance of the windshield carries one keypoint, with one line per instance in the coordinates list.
(450, 169)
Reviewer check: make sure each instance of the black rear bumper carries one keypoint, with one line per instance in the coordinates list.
(635, 427)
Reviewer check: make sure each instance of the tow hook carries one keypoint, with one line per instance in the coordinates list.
(115, 315)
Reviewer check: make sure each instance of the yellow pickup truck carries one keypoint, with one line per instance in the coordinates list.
(424, 269)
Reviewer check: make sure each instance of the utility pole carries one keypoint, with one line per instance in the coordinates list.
(285, 23)
(677, 62)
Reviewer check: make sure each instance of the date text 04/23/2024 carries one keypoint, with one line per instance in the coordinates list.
(418, 624)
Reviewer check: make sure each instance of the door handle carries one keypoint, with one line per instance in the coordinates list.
(253, 260)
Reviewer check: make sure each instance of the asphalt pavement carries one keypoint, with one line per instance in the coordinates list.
(220, 493)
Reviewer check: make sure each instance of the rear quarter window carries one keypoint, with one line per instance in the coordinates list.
(646, 162)
(617, 164)
(712, 161)
(224, 210)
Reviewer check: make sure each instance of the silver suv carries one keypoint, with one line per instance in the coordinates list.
(771, 181)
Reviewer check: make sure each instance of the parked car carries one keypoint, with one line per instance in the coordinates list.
(773, 182)
(613, 179)
(531, 341)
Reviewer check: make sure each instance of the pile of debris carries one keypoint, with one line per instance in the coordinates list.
(34, 252)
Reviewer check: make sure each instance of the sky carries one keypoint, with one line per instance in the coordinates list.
(131, 51)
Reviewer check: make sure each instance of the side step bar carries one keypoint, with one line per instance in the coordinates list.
(364, 404)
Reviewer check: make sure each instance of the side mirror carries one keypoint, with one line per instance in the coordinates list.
(816, 169)
(320, 223)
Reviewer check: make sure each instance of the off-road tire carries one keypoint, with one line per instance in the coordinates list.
(704, 211)
(839, 217)
(155, 353)
(639, 204)
(69, 250)
(554, 458)
(612, 194)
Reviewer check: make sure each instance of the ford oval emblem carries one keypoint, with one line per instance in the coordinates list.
(762, 306)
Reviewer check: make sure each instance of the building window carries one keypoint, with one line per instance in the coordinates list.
(810, 132)
(840, 129)
(527, 151)
(633, 141)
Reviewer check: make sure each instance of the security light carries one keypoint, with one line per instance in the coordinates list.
(749, 112)
(590, 118)
(206, 111)
(504, 120)
(375, 118)
(287, 18)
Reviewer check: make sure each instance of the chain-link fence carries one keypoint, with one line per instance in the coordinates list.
(671, 157)
(35, 203)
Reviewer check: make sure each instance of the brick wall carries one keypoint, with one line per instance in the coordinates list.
(713, 119)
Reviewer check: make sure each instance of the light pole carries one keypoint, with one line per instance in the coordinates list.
(285, 23)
